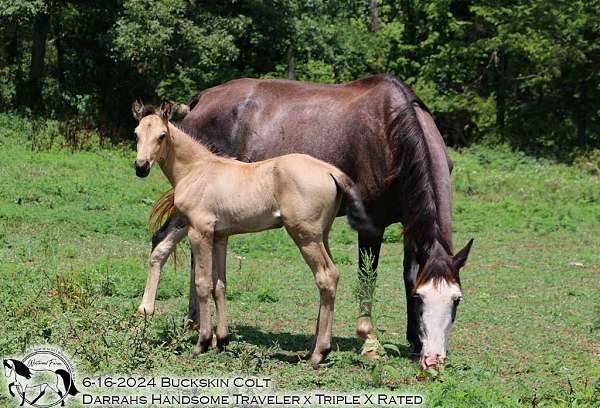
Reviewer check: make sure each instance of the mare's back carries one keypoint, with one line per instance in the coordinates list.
(256, 119)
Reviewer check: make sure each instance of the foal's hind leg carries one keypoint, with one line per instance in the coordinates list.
(315, 253)
(219, 283)
(163, 243)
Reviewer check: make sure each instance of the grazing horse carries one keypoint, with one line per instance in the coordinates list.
(216, 197)
(378, 132)
(25, 379)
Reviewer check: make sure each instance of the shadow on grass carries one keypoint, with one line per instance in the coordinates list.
(292, 342)
(293, 347)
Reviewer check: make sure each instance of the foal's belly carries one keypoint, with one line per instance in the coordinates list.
(248, 223)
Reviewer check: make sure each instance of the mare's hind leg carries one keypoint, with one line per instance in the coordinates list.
(193, 314)
(367, 277)
(163, 243)
(219, 283)
(314, 251)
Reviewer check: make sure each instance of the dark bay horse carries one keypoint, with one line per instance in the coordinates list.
(382, 135)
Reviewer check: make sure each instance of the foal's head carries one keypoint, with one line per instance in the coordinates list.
(436, 296)
(151, 134)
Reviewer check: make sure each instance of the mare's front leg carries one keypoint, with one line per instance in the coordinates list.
(201, 240)
(219, 284)
(411, 270)
(163, 243)
(193, 298)
(368, 247)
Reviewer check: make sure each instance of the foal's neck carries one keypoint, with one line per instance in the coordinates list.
(182, 154)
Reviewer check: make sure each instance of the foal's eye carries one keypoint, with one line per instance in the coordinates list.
(456, 301)
(418, 299)
(162, 136)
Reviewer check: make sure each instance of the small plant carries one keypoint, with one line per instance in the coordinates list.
(364, 288)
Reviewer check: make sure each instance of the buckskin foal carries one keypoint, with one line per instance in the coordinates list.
(216, 197)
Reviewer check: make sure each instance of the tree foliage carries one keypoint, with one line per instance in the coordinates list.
(520, 71)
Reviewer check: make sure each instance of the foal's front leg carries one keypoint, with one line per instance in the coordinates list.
(164, 241)
(201, 240)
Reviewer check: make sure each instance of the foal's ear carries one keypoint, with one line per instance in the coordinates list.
(166, 109)
(460, 259)
(137, 108)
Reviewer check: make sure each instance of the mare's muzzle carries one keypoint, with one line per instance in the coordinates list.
(142, 168)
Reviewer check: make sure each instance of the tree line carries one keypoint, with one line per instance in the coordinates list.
(524, 72)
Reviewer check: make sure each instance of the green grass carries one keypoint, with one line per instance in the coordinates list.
(74, 251)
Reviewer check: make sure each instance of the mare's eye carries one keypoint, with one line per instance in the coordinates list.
(456, 301)
(418, 299)
(161, 137)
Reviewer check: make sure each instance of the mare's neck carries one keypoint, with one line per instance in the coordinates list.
(182, 154)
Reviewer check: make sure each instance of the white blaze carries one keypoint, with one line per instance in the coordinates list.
(436, 319)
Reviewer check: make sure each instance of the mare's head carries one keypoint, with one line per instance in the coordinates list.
(436, 296)
(151, 134)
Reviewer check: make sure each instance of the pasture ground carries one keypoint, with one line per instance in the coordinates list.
(74, 248)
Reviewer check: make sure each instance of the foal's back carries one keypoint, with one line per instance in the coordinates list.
(249, 197)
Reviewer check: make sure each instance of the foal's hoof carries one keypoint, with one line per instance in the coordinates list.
(222, 342)
(315, 359)
(145, 310)
(202, 346)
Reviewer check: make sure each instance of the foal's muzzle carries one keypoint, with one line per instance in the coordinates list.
(142, 168)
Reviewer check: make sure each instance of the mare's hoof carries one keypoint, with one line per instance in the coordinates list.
(371, 348)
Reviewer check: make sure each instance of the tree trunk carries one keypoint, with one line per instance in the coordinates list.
(410, 22)
(375, 21)
(13, 59)
(38, 53)
(500, 92)
(60, 52)
(581, 115)
(291, 70)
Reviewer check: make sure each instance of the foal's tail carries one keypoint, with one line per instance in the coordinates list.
(163, 208)
(355, 210)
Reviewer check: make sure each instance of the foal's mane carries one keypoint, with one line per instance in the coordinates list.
(187, 130)
(414, 174)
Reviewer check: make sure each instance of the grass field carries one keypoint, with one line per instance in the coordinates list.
(73, 261)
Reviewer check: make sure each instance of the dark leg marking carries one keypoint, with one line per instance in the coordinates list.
(222, 343)
(412, 321)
